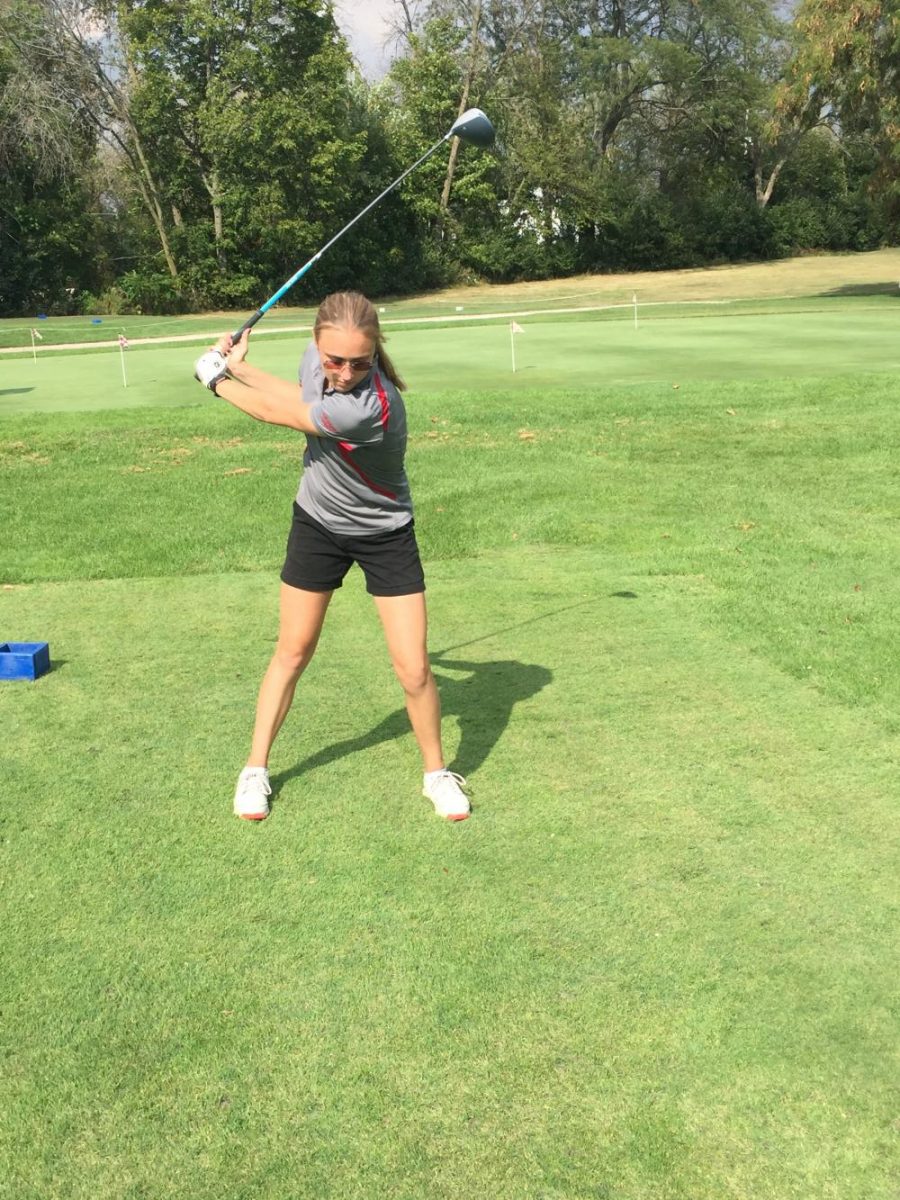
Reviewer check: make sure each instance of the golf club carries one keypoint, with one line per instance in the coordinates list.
(473, 126)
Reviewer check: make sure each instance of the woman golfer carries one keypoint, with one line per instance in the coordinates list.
(353, 506)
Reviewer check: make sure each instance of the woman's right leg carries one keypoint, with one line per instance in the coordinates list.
(302, 615)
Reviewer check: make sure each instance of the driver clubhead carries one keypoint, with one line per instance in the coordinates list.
(474, 127)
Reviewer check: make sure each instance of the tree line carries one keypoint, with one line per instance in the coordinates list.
(173, 155)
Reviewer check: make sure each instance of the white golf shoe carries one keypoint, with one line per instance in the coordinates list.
(251, 799)
(445, 791)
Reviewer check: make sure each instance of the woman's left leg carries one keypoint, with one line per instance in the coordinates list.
(405, 624)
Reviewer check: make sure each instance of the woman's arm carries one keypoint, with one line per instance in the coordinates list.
(281, 407)
(236, 357)
(263, 396)
(253, 377)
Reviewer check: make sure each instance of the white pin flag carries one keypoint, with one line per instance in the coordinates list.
(634, 302)
(35, 334)
(514, 328)
(123, 346)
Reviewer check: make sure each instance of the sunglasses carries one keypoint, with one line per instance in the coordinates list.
(335, 362)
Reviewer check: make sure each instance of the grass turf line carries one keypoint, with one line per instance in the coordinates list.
(722, 480)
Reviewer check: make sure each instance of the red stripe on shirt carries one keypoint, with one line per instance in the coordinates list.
(346, 449)
(382, 400)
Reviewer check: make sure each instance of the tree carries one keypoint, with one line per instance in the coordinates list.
(52, 242)
(849, 63)
(619, 108)
(70, 54)
(440, 76)
(250, 112)
(36, 90)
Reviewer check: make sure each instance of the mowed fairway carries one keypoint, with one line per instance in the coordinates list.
(658, 963)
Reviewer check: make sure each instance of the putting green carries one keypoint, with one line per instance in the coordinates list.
(583, 350)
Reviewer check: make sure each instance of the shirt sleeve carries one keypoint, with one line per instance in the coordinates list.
(355, 417)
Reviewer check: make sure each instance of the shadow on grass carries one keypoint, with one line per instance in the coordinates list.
(866, 289)
(15, 391)
(482, 702)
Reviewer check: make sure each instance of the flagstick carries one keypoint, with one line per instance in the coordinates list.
(512, 346)
(122, 357)
(33, 349)
(634, 302)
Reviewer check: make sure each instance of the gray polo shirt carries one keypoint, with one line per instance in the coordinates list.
(354, 482)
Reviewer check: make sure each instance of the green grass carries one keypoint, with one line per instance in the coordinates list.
(659, 963)
(669, 347)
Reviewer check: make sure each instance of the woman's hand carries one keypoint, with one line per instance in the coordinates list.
(210, 369)
(235, 353)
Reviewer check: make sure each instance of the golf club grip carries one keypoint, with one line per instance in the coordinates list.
(248, 324)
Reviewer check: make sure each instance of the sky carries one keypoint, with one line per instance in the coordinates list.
(364, 26)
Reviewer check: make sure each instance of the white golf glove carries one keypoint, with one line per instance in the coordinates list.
(210, 368)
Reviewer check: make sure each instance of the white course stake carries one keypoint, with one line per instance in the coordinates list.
(514, 328)
(123, 346)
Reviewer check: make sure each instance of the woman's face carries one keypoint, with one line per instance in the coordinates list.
(346, 356)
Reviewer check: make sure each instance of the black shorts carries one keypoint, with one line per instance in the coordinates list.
(317, 559)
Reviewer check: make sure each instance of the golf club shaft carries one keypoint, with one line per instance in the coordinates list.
(286, 287)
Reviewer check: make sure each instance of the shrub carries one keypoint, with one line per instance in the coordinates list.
(796, 225)
(209, 289)
(111, 301)
(146, 292)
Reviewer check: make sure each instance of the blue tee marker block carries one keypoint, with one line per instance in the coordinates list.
(24, 660)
